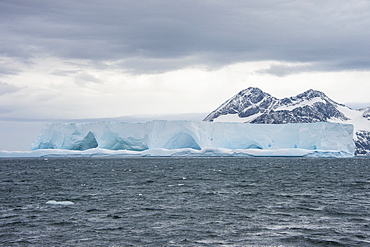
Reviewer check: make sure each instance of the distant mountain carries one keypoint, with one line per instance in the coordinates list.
(252, 105)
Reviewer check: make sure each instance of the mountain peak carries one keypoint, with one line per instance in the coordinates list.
(252, 95)
(252, 105)
(251, 90)
(246, 103)
(311, 93)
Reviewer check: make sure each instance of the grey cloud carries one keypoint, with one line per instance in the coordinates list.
(6, 88)
(10, 67)
(4, 71)
(83, 78)
(80, 76)
(284, 70)
(157, 35)
(63, 72)
(4, 110)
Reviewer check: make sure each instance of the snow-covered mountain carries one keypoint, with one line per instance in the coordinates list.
(252, 105)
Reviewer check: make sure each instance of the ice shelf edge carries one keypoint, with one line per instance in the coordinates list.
(186, 152)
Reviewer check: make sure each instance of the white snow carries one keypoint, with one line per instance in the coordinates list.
(355, 118)
(186, 138)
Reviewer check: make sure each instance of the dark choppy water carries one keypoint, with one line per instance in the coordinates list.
(185, 202)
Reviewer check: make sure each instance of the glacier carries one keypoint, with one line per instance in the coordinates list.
(191, 138)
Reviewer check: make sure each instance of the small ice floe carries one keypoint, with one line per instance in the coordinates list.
(65, 203)
(171, 185)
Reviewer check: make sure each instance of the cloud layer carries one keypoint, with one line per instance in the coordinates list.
(161, 35)
(89, 59)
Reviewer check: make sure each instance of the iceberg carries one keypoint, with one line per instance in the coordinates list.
(190, 138)
(64, 203)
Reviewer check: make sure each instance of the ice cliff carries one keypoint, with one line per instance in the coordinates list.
(195, 137)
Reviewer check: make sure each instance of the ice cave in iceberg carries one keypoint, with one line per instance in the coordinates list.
(162, 138)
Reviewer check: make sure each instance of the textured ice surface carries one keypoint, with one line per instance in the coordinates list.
(182, 138)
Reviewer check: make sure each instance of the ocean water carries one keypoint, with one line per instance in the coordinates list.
(185, 202)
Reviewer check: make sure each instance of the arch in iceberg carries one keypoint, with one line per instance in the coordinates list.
(88, 142)
(181, 140)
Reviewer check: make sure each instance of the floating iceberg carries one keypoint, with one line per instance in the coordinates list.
(64, 203)
(187, 138)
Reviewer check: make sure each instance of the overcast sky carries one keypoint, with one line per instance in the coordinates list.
(77, 59)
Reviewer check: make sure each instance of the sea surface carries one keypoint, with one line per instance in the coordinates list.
(185, 202)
